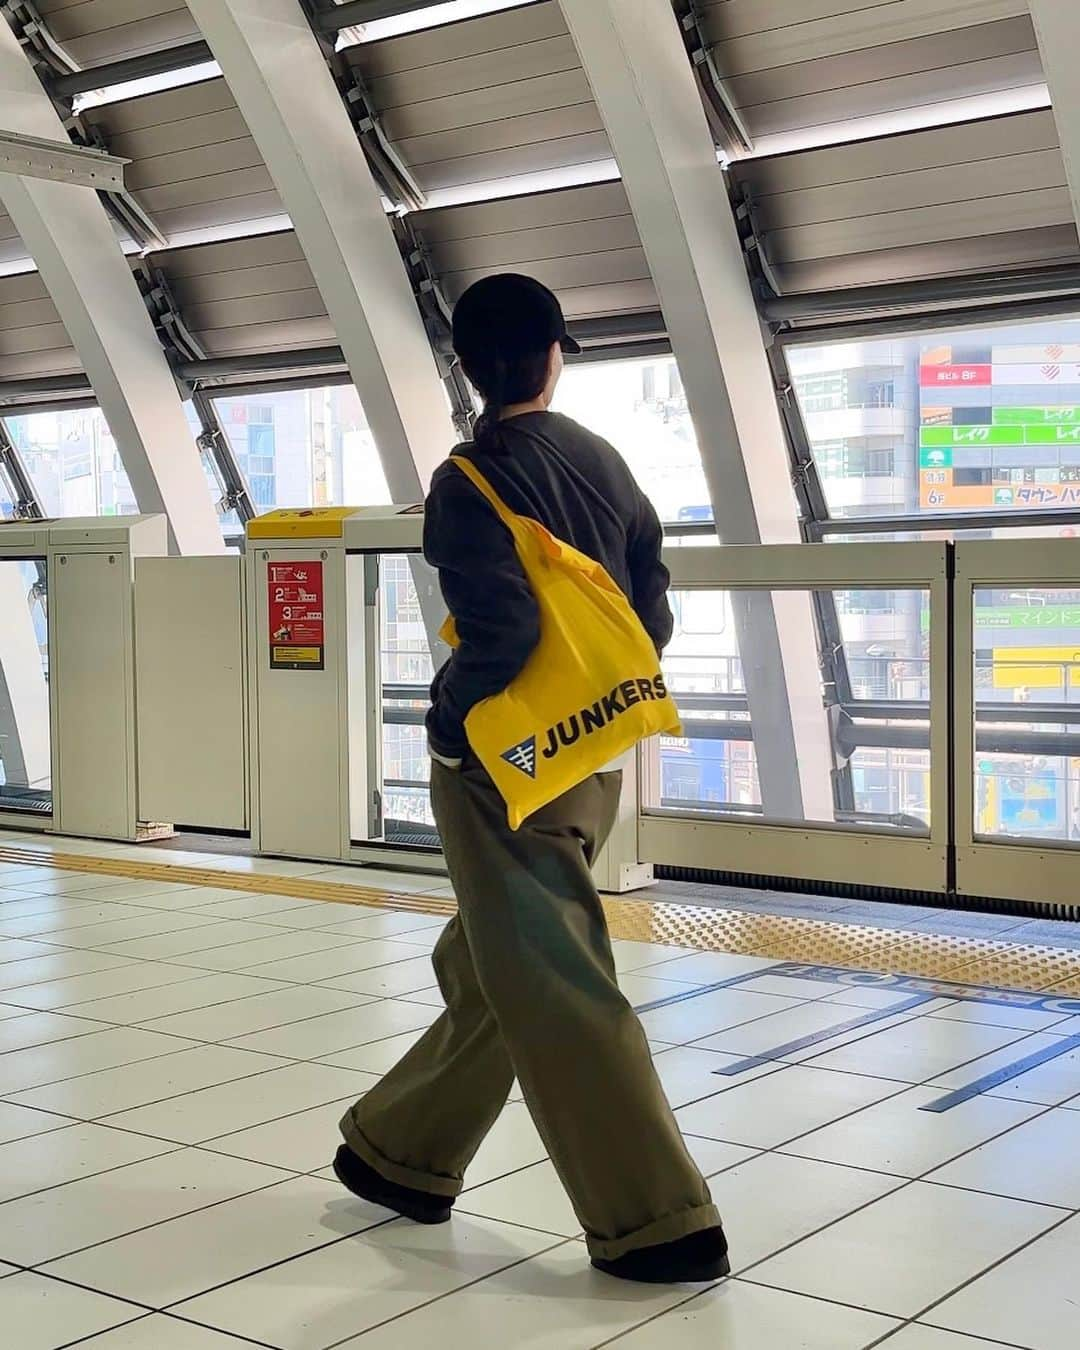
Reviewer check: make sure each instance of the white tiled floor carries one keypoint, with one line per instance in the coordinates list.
(174, 1060)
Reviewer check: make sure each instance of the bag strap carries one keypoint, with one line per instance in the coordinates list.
(469, 469)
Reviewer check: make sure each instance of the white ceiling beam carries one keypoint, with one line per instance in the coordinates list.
(71, 239)
(636, 62)
(1057, 26)
(279, 77)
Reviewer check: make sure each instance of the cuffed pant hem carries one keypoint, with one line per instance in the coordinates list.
(396, 1172)
(668, 1229)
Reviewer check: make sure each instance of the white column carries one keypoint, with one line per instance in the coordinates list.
(71, 239)
(280, 79)
(633, 54)
(1057, 27)
(24, 695)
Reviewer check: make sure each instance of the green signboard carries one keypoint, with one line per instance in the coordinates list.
(1027, 616)
(933, 438)
(1021, 616)
(1023, 417)
(930, 437)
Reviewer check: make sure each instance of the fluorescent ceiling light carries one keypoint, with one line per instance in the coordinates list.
(431, 17)
(970, 109)
(152, 84)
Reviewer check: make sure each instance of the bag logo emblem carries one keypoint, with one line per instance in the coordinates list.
(523, 757)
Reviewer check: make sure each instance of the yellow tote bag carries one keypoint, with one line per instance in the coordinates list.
(589, 692)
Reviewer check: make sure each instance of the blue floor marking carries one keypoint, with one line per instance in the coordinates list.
(1047, 1001)
(826, 1034)
(1002, 1075)
(697, 993)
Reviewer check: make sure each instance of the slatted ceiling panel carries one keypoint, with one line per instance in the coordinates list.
(783, 32)
(797, 64)
(990, 194)
(12, 248)
(97, 31)
(896, 78)
(33, 341)
(194, 162)
(248, 295)
(881, 157)
(485, 98)
(1050, 246)
(582, 242)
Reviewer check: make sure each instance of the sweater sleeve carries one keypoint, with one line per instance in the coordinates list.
(489, 596)
(650, 580)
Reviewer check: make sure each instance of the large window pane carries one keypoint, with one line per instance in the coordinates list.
(640, 407)
(1026, 644)
(73, 462)
(713, 768)
(304, 447)
(980, 420)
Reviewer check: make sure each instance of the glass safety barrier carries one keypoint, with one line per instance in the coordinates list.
(394, 807)
(25, 719)
(1017, 714)
(812, 683)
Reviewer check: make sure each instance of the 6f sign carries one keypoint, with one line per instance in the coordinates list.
(297, 625)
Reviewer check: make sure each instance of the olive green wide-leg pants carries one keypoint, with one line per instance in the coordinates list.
(529, 980)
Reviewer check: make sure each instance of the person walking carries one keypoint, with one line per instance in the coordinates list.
(526, 966)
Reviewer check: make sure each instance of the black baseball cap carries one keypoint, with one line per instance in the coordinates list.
(510, 314)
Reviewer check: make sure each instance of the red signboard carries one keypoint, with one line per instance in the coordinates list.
(936, 377)
(297, 624)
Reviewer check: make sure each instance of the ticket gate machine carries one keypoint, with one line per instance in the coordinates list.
(67, 674)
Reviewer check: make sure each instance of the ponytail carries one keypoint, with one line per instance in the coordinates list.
(503, 382)
(486, 432)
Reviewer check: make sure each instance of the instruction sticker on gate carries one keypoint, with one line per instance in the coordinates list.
(297, 624)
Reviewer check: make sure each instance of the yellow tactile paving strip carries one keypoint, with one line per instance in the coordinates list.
(1000, 965)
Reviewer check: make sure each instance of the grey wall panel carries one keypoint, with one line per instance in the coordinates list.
(597, 202)
(97, 31)
(758, 35)
(908, 199)
(33, 341)
(464, 38)
(206, 288)
(878, 97)
(256, 310)
(520, 247)
(942, 53)
(248, 295)
(580, 241)
(194, 163)
(485, 98)
(562, 274)
(499, 165)
(929, 225)
(1021, 133)
(1025, 248)
(269, 337)
(243, 213)
(16, 365)
(478, 109)
(27, 314)
(923, 188)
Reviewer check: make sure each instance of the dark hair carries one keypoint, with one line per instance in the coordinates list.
(501, 382)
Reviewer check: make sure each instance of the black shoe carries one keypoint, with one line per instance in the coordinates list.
(364, 1181)
(696, 1259)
